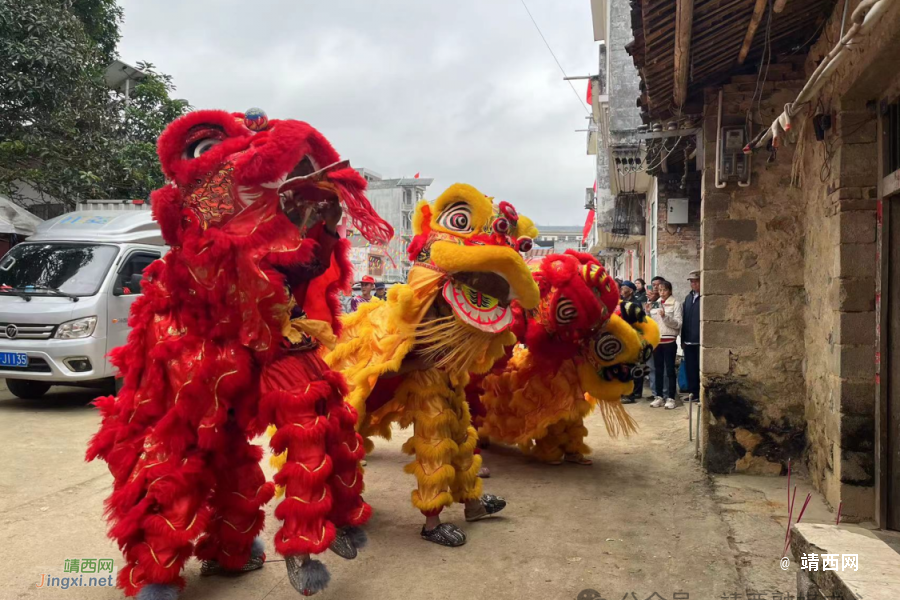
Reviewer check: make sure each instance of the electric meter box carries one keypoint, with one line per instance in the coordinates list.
(734, 165)
(678, 211)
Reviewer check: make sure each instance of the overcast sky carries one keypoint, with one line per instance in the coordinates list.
(459, 91)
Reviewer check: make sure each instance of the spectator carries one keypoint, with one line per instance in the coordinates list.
(380, 291)
(652, 303)
(640, 295)
(654, 283)
(690, 337)
(668, 316)
(366, 286)
(628, 294)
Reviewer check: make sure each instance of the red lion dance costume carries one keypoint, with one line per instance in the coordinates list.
(225, 341)
(580, 349)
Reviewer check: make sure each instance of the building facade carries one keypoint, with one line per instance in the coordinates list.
(620, 195)
(794, 157)
(395, 200)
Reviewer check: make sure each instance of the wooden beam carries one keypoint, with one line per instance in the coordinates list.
(758, 11)
(684, 22)
(779, 6)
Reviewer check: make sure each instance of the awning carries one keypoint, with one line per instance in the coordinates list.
(16, 220)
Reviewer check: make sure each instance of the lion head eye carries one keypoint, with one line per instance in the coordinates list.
(607, 346)
(201, 147)
(566, 312)
(201, 140)
(457, 217)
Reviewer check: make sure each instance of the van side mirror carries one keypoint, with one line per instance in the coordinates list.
(118, 290)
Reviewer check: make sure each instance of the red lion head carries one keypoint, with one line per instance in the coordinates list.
(577, 298)
(220, 164)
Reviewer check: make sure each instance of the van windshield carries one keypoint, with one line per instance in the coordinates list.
(54, 268)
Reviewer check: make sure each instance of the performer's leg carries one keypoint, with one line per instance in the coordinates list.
(156, 514)
(575, 448)
(434, 448)
(467, 485)
(551, 448)
(346, 448)
(229, 543)
(294, 399)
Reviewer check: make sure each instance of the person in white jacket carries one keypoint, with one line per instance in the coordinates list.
(668, 316)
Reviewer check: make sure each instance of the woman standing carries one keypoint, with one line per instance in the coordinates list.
(669, 318)
(640, 294)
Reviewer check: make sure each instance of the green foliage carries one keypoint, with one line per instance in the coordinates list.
(63, 134)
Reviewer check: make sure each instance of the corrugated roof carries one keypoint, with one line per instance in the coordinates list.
(718, 32)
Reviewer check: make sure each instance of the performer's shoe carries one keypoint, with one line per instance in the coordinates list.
(490, 505)
(307, 576)
(256, 561)
(445, 534)
(484, 473)
(347, 541)
(579, 459)
(158, 591)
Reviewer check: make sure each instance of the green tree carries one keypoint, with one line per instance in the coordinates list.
(63, 134)
(149, 110)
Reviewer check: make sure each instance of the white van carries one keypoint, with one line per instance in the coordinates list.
(66, 293)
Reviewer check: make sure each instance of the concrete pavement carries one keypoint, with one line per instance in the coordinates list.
(643, 519)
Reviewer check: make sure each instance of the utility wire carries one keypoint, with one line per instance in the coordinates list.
(546, 43)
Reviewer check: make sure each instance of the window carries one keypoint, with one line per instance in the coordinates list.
(128, 280)
(54, 268)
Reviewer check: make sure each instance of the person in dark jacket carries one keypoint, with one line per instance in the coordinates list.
(690, 336)
(640, 294)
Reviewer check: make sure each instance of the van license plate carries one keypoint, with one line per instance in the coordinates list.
(13, 359)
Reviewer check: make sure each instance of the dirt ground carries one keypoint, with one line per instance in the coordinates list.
(643, 519)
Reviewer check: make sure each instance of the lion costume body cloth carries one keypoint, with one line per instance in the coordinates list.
(453, 316)
(579, 350)
(226, 340)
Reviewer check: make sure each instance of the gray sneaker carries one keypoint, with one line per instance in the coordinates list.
(445, 534)
(657, 402)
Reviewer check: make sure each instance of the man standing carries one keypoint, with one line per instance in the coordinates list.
(366, 286)
(690, 336)
(380, 291)
(626, 291)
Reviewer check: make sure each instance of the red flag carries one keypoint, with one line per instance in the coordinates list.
(589, 99)
(588, 225)
(416, 176)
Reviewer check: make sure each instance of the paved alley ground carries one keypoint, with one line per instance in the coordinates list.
(642, 519)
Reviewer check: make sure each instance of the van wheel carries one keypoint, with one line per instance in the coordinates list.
(27, 390)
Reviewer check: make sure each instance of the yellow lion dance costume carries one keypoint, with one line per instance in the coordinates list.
(580, 349)
(407, 360)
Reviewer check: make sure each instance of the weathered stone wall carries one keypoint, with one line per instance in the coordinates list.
(752, 330)
(840, 190)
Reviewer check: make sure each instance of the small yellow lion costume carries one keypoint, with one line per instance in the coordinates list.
(407, 360)
(576, 354)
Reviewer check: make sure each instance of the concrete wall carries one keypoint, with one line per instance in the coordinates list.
(752, 331)
(678, 246)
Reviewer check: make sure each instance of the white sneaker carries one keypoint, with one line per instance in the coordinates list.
(673, 403)
(657, 402)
